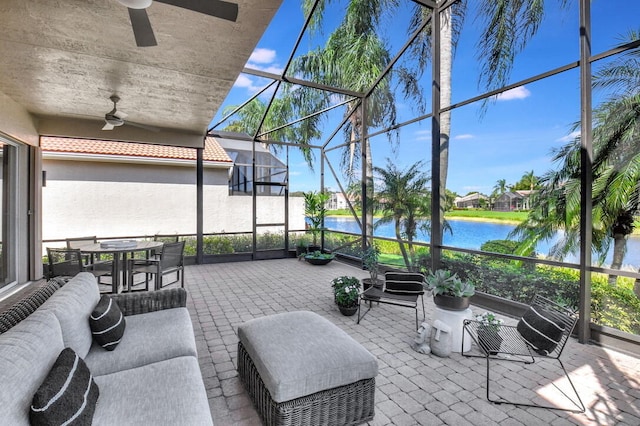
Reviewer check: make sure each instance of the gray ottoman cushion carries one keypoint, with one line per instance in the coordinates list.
(300, 353)
(151, 337)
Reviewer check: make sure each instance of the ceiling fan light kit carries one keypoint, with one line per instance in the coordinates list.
(136, 4)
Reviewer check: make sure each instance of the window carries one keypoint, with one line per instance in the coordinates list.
(8, 188)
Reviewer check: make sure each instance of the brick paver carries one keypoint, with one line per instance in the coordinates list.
(411, 388)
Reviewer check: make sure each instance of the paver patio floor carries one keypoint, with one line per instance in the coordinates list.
(411, 388)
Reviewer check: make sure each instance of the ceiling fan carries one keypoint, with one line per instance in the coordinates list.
(115, 118)
(142, 26)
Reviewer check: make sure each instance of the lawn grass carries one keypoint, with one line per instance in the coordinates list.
(487, 215)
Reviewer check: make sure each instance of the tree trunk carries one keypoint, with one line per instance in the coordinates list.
(407, 262)
(446, 53)
(619, 249)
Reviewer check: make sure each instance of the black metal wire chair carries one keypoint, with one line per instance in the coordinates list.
(527, 342)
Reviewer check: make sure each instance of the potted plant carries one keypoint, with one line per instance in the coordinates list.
(318, 258)
(370, 263)
(315, 211)
(346, 292)
(449, 291)
(489, 337)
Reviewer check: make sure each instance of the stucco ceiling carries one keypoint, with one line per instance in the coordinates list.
(63, 59)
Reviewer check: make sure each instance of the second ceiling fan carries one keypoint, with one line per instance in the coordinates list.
(142, 26)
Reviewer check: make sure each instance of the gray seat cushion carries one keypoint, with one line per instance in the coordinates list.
(148, 338)
(27, 353)
(72, 305)
(169, 392)
(300, 353)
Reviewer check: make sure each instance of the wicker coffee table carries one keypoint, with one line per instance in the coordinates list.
(299, 368)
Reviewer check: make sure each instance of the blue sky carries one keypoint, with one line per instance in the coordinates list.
(519, 129)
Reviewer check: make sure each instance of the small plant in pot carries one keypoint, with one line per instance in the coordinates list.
(315, 211)
(346, 293)
(370, 263)
(489, 337)
(449, 291)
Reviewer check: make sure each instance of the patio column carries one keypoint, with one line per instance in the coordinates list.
(586, 178)
(199, 205)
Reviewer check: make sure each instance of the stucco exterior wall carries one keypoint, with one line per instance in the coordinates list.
(84, 198)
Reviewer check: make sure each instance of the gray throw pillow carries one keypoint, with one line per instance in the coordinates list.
(540, 330)
(107, 323)
(68, 394)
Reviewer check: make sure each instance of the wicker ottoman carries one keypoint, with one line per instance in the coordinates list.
(299, 368)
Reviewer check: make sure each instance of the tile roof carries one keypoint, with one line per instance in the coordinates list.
(212, 151)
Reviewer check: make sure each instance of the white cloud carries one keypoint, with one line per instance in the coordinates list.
(464, 136)
(519, 92)
(422, 135)
(570, 137)
(262, 56)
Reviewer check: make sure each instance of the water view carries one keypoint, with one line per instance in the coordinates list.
(471, 235)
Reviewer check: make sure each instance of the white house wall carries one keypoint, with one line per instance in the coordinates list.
(117, 200)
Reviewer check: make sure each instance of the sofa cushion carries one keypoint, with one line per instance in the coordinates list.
(300, 353)
(169, 392)
(72, 304)
(107, 323)
(68, 394)
(150, 337)
(27, 352)
(540, 330)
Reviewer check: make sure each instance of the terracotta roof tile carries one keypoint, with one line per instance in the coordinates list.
(212, 151)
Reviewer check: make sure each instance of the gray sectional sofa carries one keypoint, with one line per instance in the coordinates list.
(152, 376)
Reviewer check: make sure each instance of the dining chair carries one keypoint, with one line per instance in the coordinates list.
(163, 239)
(68, 262)
(171, 260)
(79, 242)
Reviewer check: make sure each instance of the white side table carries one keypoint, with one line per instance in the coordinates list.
(455, 319)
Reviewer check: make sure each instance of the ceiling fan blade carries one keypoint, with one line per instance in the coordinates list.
(107, 126)
(121, 115)
(218, 8)
(142, 28)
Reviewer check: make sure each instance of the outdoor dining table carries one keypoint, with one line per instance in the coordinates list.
(120, 251)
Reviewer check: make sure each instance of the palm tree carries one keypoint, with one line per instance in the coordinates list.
(500, 187)
(616, 173)
(403, 198)
(353, 57)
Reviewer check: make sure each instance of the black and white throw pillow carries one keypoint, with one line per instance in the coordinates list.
(68, 394)
(107, 323)
(539, 329)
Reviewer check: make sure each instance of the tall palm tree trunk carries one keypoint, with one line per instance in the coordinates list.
(446, 57)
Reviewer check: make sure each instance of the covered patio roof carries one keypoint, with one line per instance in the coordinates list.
(61, 62)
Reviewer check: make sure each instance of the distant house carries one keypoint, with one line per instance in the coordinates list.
(475, 200)
(514, 200)
(119, 189)
(337, 201)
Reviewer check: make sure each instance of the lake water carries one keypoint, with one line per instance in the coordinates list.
(471, 235)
